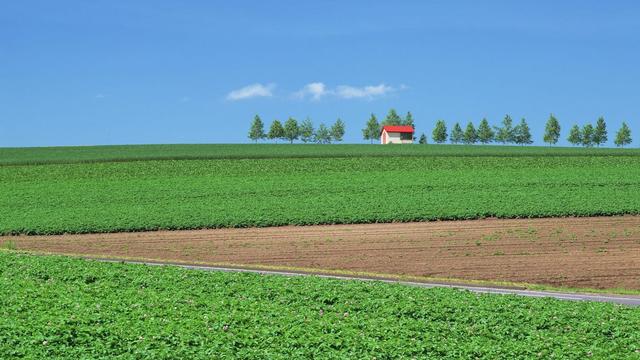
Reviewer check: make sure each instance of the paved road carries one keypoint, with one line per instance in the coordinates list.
(616, 299)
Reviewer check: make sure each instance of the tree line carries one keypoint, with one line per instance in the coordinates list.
(291, 131)
(507, 133)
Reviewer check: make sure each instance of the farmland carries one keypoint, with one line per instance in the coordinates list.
(70, 308)
(595, 253)
(120, 153)
(215, 193)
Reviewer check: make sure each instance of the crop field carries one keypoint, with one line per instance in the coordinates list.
(600, 253)
(84, 154)
(216, 193)
(56, 307)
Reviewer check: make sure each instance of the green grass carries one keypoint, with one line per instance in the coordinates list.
(83, 154)
(56, 307)
(178, 194)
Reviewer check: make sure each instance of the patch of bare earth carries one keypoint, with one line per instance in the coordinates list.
(602, 252)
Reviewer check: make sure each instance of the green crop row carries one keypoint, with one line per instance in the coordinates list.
(56, 307)
(119, 153)
(148, 195)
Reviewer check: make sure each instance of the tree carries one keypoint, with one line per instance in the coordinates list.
(470, 135)
(276, 131)
(423, 139)
(372, 130)
(337, 130)
(408, 120)
(322, 135)
(575, 136)
(291, 130)
(306, 130)
(392, 118)
(522, 133)
(623, 136)
(552, 131)
(505, 134)
(257, 129)
(439, 134)
(587, 135)
(456, 134)
(485, 134)
(600, 132)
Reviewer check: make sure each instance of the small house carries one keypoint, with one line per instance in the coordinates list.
(400, 134)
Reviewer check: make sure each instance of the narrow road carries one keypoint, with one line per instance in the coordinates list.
(615, 299)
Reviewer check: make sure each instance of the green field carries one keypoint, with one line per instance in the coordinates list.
(80, 154)
(189, 194)
(56, 307)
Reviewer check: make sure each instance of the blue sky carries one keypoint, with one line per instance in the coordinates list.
(130, 72)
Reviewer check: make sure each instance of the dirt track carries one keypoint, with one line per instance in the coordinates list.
(601, 252)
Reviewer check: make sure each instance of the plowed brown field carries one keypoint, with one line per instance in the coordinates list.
(602, 252)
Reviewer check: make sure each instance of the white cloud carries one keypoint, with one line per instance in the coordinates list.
(251, 91)
(352, 92)
(99, 96)
(315, 90)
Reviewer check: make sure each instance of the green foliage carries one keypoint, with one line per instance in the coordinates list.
(552, 130)
(457, 136)
(587, 135)
(322, 135)
(439, 134)
(125, 153)
(600, 132)
(408, 120)
(623, 136)
(305, 184)
(575, 135)
(470, 135)
(276, 131)
(291, 130)
(56, 307)
(337, 130)
(485, 134)
(522, 133)
(372, 130)
(392, 118)
(506, 134)
(306, 130)
(257, 129)
(423, 139)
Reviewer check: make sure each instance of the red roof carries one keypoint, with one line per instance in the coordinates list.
(398, 129)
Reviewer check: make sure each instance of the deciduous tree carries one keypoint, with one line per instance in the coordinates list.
(456, 134)
(322, 135)
(600, 135)
(372, 130)
(392, 118)
(505, 133)
(337, 130)
(485, 134)
(423, 139)
(439, 134)
(623, 136)
(575, 135)
(470, 135)
(291, 130)
(552, 131)
(276, 131)
(306, 130)
(408, 120)
(587, 135)
(522, 133)
(257, 129)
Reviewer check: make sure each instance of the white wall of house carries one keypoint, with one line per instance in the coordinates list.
(393, 138)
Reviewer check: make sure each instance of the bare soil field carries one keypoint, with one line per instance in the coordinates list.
(600, 253)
